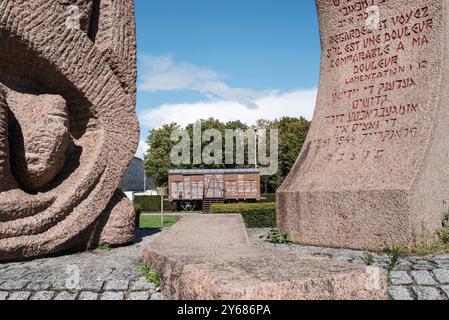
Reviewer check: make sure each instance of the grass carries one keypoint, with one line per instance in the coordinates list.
(154, 222)
(425, 248)
(368, 258)
(433, 245)
(148, 273)
(394, 256)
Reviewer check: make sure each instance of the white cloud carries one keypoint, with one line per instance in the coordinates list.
(142, 149)
(162, 73)
(272, 106)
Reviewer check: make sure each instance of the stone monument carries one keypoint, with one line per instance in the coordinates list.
(374, 170)
(68, 128)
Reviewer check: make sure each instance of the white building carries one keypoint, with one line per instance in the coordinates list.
(134, 179)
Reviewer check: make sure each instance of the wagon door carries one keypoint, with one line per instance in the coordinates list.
(214, 186)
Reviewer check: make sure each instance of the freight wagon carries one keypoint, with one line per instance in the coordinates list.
(200, 189)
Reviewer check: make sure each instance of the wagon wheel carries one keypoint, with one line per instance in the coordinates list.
(188, 207)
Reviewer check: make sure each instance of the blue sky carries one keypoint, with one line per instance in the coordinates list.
(230, 59)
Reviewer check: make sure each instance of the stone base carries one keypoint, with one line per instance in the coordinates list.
(374, 220)
(208, 257)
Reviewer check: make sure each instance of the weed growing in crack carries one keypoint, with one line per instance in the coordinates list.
(277, 238)
(148, 273)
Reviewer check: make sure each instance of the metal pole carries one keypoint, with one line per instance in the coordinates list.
(162, 211)
(255, 149)
(144, 179)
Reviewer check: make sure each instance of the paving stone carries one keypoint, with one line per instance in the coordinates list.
(446, 290)
(343, 258)
(92, 285)
(423, 266)
(383, 265)
(428, 293)
(117, 285)
(66, 296)
(11, 285)
(142, 285)
(442, 275)
(400, 293)
(400, 278)
(3, 295)
(423, 278)
(444, 264)
(157, 296)
(88, 295)
(19, 295)
(60, 284)
(43, 295)
(138, 296)
(444, 256)
(39, 285)
(111, 296)
(403, 266)
(346, 255)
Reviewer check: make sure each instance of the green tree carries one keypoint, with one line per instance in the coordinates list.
(157, 158)
(292, 135)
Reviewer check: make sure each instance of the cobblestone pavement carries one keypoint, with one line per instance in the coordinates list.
(103, 275)
(112, 274)
(414, 278)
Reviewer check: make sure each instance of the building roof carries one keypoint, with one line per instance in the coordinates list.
(211, 171)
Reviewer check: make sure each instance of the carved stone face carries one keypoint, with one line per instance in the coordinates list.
(40, 137)
(68, 128)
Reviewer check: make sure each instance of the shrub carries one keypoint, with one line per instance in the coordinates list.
(257, 215)
(270, 197)
(277, 238)
(138, 208)
(152, 203)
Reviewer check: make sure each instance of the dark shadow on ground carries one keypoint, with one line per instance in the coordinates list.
(141, 234)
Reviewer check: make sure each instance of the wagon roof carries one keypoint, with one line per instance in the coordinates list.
(212, 171)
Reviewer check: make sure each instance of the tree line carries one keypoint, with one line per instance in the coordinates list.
(292, 133)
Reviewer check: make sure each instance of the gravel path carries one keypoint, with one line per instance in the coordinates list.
(414, 278)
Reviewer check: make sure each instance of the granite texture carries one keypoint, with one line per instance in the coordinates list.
(67, 124)
(373, 170)
(208, 257)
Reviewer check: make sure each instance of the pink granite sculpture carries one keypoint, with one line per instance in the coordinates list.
(374, 171)
(68, 128)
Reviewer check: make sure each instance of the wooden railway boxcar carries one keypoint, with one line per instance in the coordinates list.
(195, 189)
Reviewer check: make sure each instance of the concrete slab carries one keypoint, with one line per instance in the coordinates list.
(208, 257)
